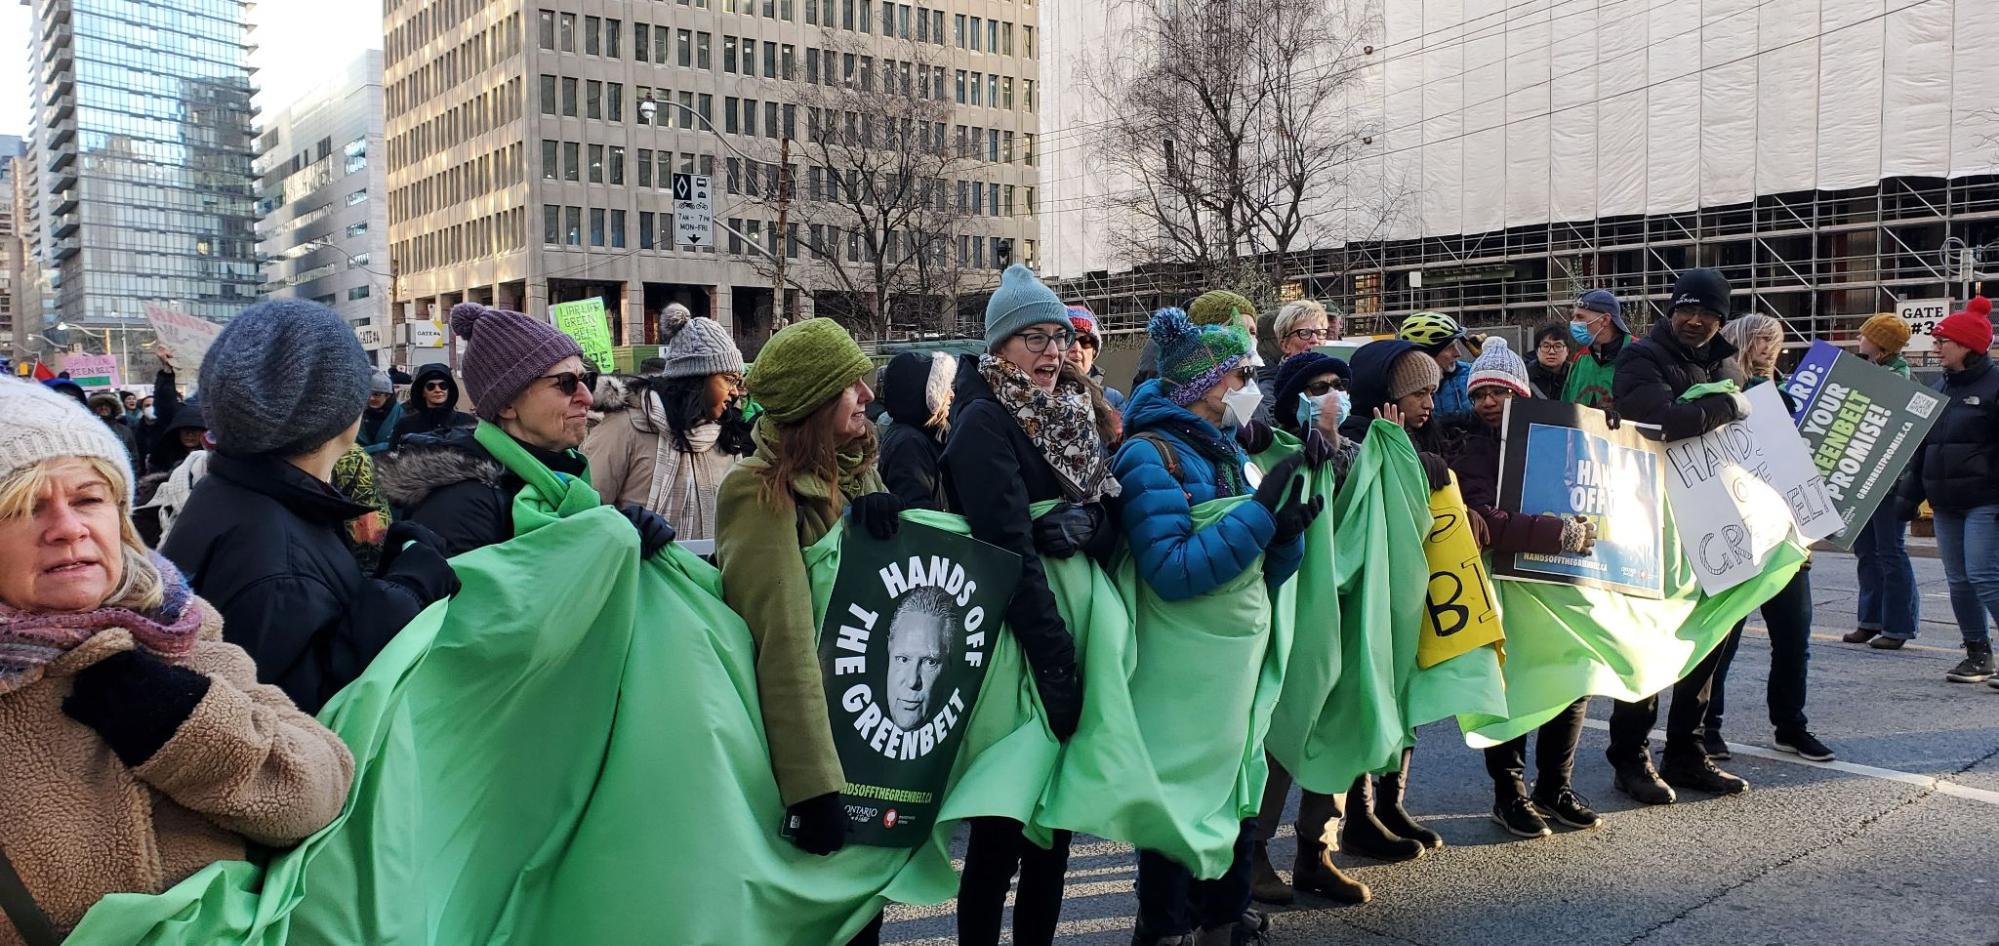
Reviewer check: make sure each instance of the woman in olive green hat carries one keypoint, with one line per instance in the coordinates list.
(814, 460)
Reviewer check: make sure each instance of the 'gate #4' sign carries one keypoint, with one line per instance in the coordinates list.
(904, 646)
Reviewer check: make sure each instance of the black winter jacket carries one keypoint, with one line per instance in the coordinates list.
(1476, 463)
(419, 419)
(1957, 467)
(911, 452)
(449, 483)
(992, 473)
(1654, 371)
(262, 541)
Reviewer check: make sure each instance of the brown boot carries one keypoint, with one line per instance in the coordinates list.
(1315, 873)
(1264, 884)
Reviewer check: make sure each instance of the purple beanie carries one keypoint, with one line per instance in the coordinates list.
(504, 352)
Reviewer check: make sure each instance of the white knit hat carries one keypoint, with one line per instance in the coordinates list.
(42, 424)
(1497, 364)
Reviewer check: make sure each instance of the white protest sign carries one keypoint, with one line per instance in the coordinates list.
(92, 372)
(184, 336)
(1922, 316)
(1742, 489)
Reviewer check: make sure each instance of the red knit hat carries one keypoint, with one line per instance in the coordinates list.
(1971, 327)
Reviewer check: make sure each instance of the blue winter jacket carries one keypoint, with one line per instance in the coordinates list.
(1453, 401)
(1178, 561)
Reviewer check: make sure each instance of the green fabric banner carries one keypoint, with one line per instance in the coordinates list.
(570, 751)
(1177, 697)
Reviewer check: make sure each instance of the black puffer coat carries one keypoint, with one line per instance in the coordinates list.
(419, 419)
(911, 453)
(261, 540)
(1957, 467)
(450, 484)
(1654, 371)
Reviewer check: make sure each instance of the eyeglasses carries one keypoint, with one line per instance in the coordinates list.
(568, 381)
(1319, 388)
(734, 381)
(1550, 344)
(1038, 342)
(1307, 334)
(436, 385)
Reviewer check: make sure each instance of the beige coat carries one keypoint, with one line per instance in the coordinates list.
(624, 452)
(78, 824)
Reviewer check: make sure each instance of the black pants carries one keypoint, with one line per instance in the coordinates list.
(1631, 723)
(1788, 615)
(870, 935)
(1315, 811)
(992, 853)
(1554, 755)
(1172, 903)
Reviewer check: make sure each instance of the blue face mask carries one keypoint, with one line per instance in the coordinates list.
(1581, 333)
(1309, 408)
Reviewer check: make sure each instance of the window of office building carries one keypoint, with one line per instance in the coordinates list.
(545, 28)
(591, 25)
(596, 226)
(566, 32)
(645, 167)
(548, 99)
(358, 292)
(613, 36)
(596, 164)
(551, 224)
(569, 97)
(614, 101)
(593, 99)
(572, 161)
(617, 229)
(645, 230)
(641, 41)
(551, 167)
(615, 156)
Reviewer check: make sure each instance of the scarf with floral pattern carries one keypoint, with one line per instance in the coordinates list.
(1061, 423)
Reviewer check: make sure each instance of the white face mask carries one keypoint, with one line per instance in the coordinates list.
(1239, 405)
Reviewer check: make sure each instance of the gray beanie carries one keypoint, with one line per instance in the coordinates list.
(381, 383)
(696, 347)
(284, 377)
(43, 424)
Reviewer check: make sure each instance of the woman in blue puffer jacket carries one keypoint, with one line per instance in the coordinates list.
(1176, 457)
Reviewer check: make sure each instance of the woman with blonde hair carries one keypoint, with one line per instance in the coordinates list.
(138, 747)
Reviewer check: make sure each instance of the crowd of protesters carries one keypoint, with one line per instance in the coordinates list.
(184, 580)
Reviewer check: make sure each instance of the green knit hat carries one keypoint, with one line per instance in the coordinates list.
(803, 366)
(1221, 307)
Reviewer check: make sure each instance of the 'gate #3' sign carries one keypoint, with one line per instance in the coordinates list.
(904, 646)
(1863, 424)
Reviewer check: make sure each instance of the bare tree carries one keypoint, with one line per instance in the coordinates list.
(1225, 119)
(873, 194)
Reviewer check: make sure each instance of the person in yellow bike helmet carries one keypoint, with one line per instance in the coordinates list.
(1441, 338)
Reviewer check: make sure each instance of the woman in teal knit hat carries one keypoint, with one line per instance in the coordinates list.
(814, 462)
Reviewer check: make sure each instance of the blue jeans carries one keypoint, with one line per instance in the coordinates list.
(1968, 542)
(1887, 580)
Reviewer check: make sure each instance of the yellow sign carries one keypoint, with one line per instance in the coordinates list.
(1461, 613)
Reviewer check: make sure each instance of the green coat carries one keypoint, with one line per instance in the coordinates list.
(1899, 365)
(1590, 377)
(760, 548)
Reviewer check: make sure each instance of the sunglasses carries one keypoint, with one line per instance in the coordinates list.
(435, 385)
(1038, 342)
(568, 381)
(1319, 388)
(1084, 341)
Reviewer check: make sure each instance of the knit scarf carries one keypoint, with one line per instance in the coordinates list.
(1219, 447)
(1061, 423)
(856, 461)
(676, 491)
(31, 640)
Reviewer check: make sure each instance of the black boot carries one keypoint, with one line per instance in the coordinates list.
(1976, 666)
(1264, 884)
(1388, 808)
(1363, 834)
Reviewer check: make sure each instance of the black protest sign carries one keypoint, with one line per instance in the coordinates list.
(904, 646)
(1863, 424)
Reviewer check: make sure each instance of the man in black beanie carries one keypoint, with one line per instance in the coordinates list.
(1681, 351)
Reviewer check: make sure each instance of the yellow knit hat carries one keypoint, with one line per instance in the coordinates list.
(1887, 331)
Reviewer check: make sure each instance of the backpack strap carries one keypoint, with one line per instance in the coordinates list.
(1167, 454)
(28, 919)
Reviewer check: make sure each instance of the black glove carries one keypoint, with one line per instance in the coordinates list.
(655, 532)
(1271, 492)
(1435, 470)
(1318, 448)
(818, 825)
(1254, 437)
(1294, 515)
(1070, 528)
(879, 513)
(136, 701)
(1612, 419)
(402, 533)
(1062, 698)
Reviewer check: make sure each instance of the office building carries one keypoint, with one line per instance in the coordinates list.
(141, 138)
(322, 220)
(532, 151)
(10, 150)
(1831, 157)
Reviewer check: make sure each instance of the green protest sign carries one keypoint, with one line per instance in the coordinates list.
(904, 647)
(584, 321)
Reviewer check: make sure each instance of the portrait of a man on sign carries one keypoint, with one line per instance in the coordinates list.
(919, 646)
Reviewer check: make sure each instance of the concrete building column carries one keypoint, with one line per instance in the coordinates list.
(535, 298)
(634, 312)
(722, 303)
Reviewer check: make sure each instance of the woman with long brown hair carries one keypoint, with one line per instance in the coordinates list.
(814, 461)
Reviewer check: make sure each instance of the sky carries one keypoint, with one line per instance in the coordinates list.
(300, 42)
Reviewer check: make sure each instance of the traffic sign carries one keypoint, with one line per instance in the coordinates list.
(1922, 316)
(693, 210)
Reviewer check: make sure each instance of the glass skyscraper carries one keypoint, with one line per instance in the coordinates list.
(142, 136)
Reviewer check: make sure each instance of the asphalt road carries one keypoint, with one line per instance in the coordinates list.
(1893, 844)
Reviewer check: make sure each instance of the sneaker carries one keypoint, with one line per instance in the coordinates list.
(1993, 683)
(1884, 642)
(1638, 779)
(1698, 772)
(1976, 667)
(1518, 817)
(1861, 635)
(1568, 807)
(1805, 746)
(1715, 746)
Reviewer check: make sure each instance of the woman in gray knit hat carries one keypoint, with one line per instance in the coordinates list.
(666, 442)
